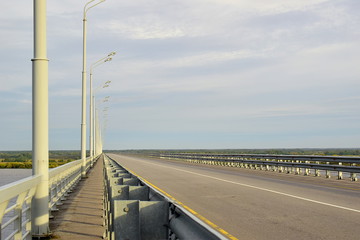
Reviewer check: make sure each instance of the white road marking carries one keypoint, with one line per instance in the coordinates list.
(259, 188)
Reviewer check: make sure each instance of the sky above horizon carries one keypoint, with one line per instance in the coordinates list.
(191, 74)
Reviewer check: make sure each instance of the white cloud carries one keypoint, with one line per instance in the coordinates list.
(270, 7)
(66, 92)
(213, 58)
(25, 101)
(12, 11)
(203, 59)
(145, 30)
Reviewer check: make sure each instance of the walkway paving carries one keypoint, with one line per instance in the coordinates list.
(80, 217)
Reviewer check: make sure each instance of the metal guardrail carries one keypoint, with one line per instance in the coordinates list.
(16, 198)
(136, 210)
(281, 163)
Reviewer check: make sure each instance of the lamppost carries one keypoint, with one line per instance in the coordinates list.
(97, 130)
(104, 124)
(94, 65)
(87, 7)
(106, 84)
(98, 143)
(40, 123)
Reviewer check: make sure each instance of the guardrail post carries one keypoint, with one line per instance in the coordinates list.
(126, 219)
(267, 166)
(340, 174)
(280, 168)
(297, 169)
(317, 171)
(288, 169)
(274, 168)
(262, 166)
(307, 170)
(327, 172)
(353, 175)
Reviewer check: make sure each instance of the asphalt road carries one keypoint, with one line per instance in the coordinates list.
(254, 204)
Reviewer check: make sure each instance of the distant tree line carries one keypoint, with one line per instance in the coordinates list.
(293, 151)
(23, 159)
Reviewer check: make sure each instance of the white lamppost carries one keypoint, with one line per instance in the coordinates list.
(104, 125)
(97, 132)
(98, 143)
(106, 84)
(87, 7)
(94, 65)
(40, 123)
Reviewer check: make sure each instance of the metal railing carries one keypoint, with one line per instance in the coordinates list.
(296, 164)
(134, 209)
(18, 195)
(16, 198)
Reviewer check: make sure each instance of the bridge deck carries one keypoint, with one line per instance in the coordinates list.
(254, 204)
(80, 217)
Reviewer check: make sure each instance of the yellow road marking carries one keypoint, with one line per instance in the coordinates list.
(202, 218)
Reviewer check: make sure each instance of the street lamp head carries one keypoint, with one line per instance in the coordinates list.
(108, 59)
(111, 54)
(106, 99)
(105, 86)
(107, 82)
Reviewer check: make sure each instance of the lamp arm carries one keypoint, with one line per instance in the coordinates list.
(86, 8)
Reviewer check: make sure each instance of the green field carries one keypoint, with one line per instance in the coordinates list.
(23, 159)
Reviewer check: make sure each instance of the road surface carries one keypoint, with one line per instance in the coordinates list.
(254, 204)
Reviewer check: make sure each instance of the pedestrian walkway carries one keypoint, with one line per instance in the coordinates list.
(80, 216)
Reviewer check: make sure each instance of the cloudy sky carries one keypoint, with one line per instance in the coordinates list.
(191, 73)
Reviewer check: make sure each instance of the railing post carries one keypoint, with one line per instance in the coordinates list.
(18, 211)
(280, 168)
(317, 171)
(340, 174)
(288, 169)
(306, 170)
(297, 169)
(327, 172)
(353, 176)
(40, 146)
